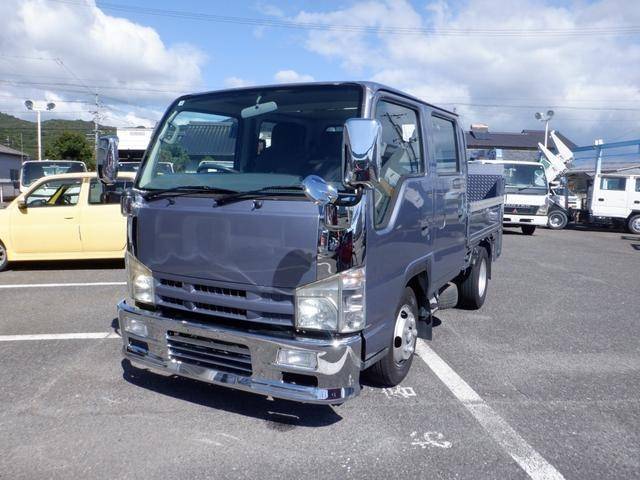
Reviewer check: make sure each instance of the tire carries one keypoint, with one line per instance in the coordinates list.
(394, 367)
(558, 220)
(4, 259)
(528, 229)
(633, 225)
(472, 290)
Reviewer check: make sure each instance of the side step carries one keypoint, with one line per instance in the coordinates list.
(446, 298)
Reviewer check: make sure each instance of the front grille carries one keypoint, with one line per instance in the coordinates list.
(520, 209)
(218, 301)
(209, 353)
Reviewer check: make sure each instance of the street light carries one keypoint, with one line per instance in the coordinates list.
(39, 106)
(545, 117)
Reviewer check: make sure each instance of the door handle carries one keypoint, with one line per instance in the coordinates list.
(456, 183)
(601, 199)
(636, 201)
(68, 218)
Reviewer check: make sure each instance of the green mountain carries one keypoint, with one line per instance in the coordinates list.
(22, 134)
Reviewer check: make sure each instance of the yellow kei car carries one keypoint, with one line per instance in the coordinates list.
(63, 217)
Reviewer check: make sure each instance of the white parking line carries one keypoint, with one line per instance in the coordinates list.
(58, 336)
(50, 285)
(529, 460)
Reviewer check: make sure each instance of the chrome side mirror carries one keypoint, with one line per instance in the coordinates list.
(107, 161)
(361, 152)
(319, 191)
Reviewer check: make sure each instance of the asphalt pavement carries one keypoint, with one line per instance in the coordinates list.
(542, 382)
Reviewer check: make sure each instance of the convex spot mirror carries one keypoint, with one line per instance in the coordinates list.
(361, 152)
(319, 191)
(107, 161)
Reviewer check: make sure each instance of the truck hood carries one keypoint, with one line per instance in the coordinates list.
(274, 245)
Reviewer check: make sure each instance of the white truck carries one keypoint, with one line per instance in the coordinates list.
(611, 197)
(526, 194)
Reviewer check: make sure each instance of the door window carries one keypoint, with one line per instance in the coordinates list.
(56, 193)
(637, 184)
(613, 183)
(101, 194)
(401, 154)
(445, 145)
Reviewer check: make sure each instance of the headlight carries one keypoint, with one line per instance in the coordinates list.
(140, 281)
(542, 210)
(336, 303)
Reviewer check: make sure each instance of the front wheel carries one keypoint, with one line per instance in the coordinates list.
(528, 229)
(634, 224)
(4, 259)
(473, 288)
(394, 367)
(558, 220)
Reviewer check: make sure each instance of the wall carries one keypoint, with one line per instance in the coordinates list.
(8, 163)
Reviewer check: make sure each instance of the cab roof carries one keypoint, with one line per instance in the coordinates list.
(371, 87)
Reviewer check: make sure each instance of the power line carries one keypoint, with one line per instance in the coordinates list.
(583, 30)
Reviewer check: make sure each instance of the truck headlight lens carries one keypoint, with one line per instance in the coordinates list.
(140, 281)
(542, 210)
(336, 303)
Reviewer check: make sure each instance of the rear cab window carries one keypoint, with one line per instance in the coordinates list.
(101, 194)
(445, 145)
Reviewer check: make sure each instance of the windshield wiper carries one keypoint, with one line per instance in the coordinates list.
(186, 190)
(275, 190)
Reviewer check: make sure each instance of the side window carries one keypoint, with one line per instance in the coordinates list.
(637, 184)
(401, 154)
(101, 194)
(613, 183)
(56, 193)
(445, 145)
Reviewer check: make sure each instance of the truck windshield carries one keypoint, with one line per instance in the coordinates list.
(32, 171)
(252, 139)
(525, 179)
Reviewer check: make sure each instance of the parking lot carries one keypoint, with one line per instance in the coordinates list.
(544, 382)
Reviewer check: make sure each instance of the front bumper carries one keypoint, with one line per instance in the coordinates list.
(337, 374)
(538, 220)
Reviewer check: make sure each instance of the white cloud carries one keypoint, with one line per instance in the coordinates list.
(291, 76)
(237, 82)
(470, 71)
(129, 64)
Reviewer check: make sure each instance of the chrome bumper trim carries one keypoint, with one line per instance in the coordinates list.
(338, 372)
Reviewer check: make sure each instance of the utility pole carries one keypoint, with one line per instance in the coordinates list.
(95, 127)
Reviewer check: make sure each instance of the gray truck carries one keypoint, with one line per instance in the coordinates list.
(339, 218)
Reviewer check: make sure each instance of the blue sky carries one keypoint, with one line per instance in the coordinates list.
(495, 62)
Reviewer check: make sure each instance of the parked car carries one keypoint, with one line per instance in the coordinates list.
(62, 217)
(318, 256)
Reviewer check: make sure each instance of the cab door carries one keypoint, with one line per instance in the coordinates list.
(451, 189)
(634, 194)
(610, 198)
(102, 225)
(48, 226)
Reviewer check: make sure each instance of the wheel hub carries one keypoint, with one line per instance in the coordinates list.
(482, 278)
(405, 335)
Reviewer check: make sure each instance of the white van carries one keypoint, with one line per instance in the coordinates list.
(33, 170)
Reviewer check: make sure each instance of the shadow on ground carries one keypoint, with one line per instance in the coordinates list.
(280, 415)
(68, 265)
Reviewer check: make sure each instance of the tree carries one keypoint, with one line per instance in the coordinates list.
(71, 146)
